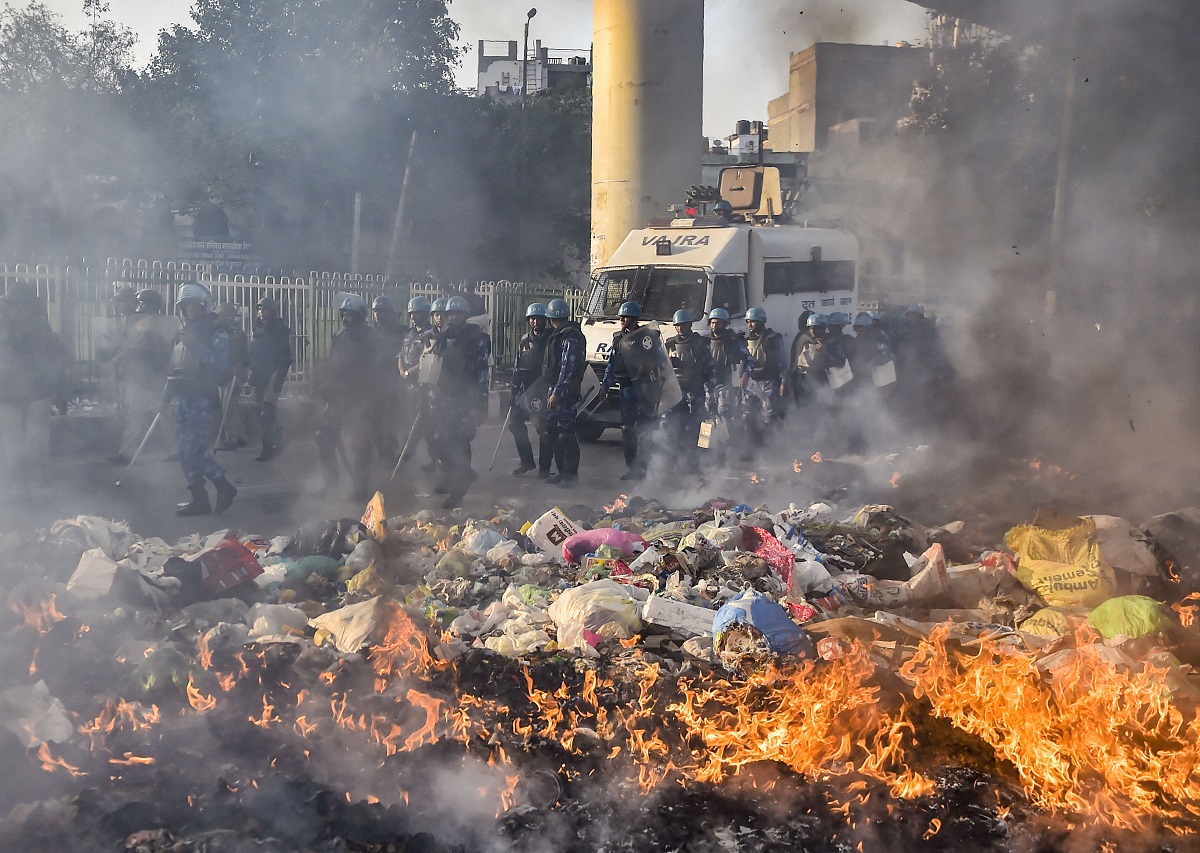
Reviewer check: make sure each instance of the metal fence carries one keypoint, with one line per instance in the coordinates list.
(81, 309)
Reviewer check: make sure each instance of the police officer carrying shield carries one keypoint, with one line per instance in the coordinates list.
(142, 367)
(270, 359)
(636, 362)
(416, 337)
(345, 417)
(762, 409)
(390, 334)
(531, 354)
(198, 369)
(458, 401)
(234, 436)
(691, 358)
(729, 352)
(565, 363)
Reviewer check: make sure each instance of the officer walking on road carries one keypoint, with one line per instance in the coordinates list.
(352, 366)
(270, 359)
(691, 358)
(234, 436)
(198, 369)
(766, 385)
(636, 362)
(565, 363)
(531, 354)
(415, 398)
(729, 352)
(459, 399)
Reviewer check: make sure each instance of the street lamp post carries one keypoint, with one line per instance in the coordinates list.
(525, 56)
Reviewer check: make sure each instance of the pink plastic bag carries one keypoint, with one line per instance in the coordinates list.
(576, 547)
(763, 543)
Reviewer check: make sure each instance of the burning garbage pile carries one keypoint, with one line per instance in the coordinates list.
(728, 677)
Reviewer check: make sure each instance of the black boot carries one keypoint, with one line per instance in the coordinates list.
(199, 504)
(524, 450)
(545, 456)
(267, 427)
(225, 495)
(568, 447)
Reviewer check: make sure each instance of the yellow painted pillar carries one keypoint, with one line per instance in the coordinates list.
(647, 97)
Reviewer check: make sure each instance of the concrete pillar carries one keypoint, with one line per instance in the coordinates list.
(647, 98)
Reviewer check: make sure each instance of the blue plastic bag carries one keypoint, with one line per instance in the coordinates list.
(750, 608)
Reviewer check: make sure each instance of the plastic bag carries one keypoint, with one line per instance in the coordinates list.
(350, 626)
(810, 578)
(585, 615)
(763, 543)
(1125, 547)
(479, 540)
(276, 620)
(1065, 567)
(1049, 622)
(1130, 616)
(727, 537)
(365, 554)
(576, 547)
(768, 623)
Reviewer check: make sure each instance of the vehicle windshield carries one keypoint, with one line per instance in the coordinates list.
(661, 291)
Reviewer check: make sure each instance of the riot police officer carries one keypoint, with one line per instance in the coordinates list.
(352, 365)
(234, 436)
(199, 367)
(729, 352)
(531, 354)
(766, 384)
(270, 359)
(563, 370)
(389, 334)
(459, 399)
(637, 363)
(414, 400)
(142, 367)
(691, 358)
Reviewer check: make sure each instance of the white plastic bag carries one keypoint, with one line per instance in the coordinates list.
(601, 608)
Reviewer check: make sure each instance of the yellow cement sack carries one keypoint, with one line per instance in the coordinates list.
(1065, 567)
(1048, 622)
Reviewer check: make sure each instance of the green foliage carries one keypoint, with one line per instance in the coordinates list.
(36, 50)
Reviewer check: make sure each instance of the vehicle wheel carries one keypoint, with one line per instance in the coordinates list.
(590, 431)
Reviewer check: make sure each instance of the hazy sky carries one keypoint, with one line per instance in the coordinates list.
(746, 41)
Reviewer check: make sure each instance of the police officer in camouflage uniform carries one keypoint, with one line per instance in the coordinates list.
(458, 402)
(729, 353)
(389, 334)
(198, 369)
(346, 416)
(270, 359)
(531, 353)
(415, 399)
(762, 409)
(636, 363)
(691, 358)
(565, 363)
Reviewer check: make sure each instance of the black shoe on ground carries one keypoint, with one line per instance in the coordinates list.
(567, 480)
(544, 474)
(634, 474)
(452, 502)
(199, 504)
(225, 495)
(268, 453)
(227, 445)
(523, 468)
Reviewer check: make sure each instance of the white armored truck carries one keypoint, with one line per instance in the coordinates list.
(733, 259)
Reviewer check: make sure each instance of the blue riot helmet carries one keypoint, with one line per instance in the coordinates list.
(558, 309)
(718, 314)
(458, 303)
(817, 321)
(419, 305)
(919, 310)
(536, 309)
(629, 309)
(682, 316)
(353, 305)
(837, 318)
(382, 305)
(756, 313)
(864, 320)
(439, 306)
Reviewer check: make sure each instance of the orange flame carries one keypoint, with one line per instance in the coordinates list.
(756, 480)
(198, 699)
(895, 481)
(619, 504)
(797, 466)
(52, 763)
(1187, 612)
(40, 616)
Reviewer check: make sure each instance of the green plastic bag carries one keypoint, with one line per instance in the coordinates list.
(1128, 615)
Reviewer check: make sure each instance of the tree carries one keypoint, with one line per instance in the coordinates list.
(37, 50)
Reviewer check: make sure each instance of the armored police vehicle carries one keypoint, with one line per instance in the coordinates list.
(733, 255)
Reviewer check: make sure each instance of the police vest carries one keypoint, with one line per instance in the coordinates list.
(638, 351)
(552, 365)
(726, 353)
(686, 355)
(766, 355)
(415, 340)
(456, 351)
(531, 353)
